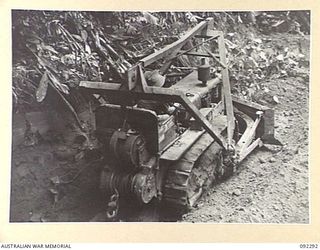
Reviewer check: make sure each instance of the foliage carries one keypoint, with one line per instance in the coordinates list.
(58, 49)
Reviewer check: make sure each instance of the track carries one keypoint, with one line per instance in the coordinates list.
(188, 177)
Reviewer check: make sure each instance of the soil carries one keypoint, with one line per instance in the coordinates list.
(270, 186)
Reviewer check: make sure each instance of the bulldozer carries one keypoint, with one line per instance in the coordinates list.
(170, 142)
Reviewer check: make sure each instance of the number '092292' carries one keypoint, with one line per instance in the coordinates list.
(309, 246)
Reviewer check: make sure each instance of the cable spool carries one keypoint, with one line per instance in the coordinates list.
(129, 148)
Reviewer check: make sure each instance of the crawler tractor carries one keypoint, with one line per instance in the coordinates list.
(169, 142)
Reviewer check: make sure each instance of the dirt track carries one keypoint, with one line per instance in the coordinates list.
(271, 186)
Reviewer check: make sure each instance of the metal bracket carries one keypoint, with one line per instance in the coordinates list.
(246, 144)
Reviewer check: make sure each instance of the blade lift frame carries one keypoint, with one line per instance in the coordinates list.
(136, 87)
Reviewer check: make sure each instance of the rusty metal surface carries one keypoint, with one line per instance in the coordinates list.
(100, 85)
(181, 145)
(191, 84)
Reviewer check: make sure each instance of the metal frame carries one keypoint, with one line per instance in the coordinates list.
(136, 87)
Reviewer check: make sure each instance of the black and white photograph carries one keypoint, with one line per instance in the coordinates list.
(159, 116)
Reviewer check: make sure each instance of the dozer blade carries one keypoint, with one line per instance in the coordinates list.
(265, 129)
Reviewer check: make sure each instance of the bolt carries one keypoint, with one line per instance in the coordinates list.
(259, 113)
